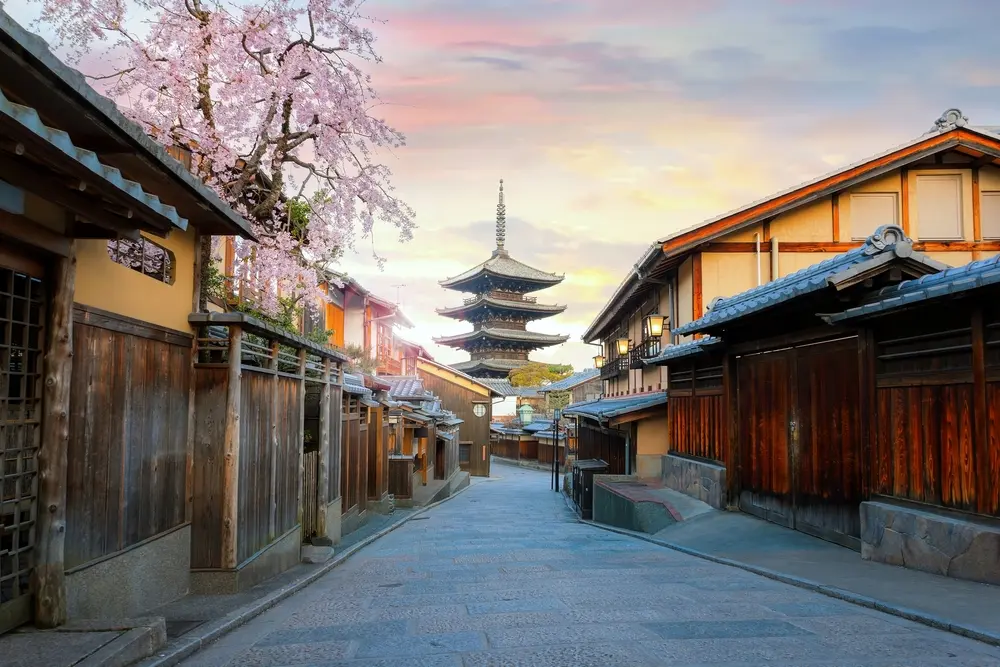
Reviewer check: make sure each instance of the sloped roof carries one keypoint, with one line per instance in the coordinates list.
(503, 265)
(355, 384)
(574, 380)
(888, 242)
(405, 387)
(512, 335)
(496, 365)
(950, 282)
(466, 376)
(541, 309)
(503, 387)
(949, 131)
(607, 408)
(688, 349)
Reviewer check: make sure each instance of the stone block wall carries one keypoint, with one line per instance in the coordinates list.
(698, 479)
(943, 543)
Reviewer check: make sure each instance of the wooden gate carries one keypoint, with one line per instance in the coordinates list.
(22, 338)
(800, 440)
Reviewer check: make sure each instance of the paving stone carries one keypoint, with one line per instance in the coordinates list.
(294, 654)
(414, 645)
(333, 632)
(568, 634)
(725, 629)
(580, 655)
(502, 606)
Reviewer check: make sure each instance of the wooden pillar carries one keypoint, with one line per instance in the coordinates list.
(49, 573)
(980, 419)
(192, 387)
(301, 430)
(231, 451)
(272, 521)
(731, 428)
(323, 474)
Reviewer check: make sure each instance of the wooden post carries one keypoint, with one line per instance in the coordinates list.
(272, 521)
(322, 498)
(301, 430)
(192, 390)
(983, 483)
(231, 449)
(49, 573)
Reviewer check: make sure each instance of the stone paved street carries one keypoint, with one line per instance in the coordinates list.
(503, 575)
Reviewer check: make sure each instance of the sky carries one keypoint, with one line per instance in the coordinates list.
(615, 122)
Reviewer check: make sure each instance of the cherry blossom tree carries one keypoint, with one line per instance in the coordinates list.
(272, 98)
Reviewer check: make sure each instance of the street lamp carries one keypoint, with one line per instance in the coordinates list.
(599, 361)
(654, 325)
(622, 344)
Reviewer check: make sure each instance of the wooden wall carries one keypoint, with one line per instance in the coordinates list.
(608, 446)
(378, 455)
(474, 430)
(127, 434)
(354, 462)
(937, 432)
(545, 453)
(507, 446)
(696, 425)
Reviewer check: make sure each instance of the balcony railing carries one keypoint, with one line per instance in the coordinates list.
(612, 368)
(502, 296)
(389, 366)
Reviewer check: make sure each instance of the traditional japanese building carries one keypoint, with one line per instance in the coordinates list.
(500, 310)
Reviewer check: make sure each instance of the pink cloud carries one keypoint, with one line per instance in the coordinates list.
(429, 30)
(423, 110)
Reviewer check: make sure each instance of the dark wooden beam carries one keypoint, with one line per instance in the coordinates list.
(49, 574)
(844, 246)
(835, 203)
(31, 233)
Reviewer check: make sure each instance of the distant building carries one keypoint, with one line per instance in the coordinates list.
(499, 310)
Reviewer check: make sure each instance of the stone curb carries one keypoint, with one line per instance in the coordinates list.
(527, 466)
(213, 630)
(924, 618)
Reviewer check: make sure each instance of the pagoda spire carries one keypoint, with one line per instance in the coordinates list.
(501, 220)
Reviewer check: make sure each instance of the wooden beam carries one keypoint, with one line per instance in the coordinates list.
(323, 473)
(904, 184)
(231, 452)
(697, 307)
(302, 434)
(49, 573)
(31, 233)
(977, 208)
(844, 246)
(835, 203)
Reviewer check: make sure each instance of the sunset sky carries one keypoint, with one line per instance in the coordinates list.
(614, 122)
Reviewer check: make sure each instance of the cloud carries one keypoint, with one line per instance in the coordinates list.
(506, 64)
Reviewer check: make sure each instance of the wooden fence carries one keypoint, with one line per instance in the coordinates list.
(250, 385)
(401, 476)
(695, 420)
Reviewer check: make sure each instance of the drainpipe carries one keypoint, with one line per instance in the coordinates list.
(756, 238)
(774, 258)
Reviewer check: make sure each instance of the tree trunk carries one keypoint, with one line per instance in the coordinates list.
(49, 573)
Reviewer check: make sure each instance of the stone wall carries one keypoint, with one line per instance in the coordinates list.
(943, 543)
(698, 479)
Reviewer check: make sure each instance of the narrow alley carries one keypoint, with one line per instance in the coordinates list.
(503, 574)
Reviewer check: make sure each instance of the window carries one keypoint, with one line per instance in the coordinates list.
(871, 210)
(479, 409)
(148, 258)
(939, 206)
(990, 215)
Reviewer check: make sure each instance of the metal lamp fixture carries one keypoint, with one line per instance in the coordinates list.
(599, 361)
(654, 325)
(622, 344)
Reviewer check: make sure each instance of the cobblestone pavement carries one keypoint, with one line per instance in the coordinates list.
(503, 575)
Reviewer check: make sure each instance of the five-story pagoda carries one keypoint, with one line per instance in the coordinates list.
(500, 310)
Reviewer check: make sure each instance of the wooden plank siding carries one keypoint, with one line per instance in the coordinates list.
(696, 426)
(607, 445)
(474, 430)
(128, 434)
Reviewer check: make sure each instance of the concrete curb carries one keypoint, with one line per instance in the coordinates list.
(914, 615)
(213, 630)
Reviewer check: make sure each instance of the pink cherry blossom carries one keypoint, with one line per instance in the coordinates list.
(264, 91)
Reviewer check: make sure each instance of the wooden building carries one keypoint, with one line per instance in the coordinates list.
(500, 310)
(846, 398)
(471, 400)
(364, 485)
(99, 230)
(940, 188)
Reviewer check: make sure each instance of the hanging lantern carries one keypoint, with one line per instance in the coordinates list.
(622, 344)
(599, 361)
(654, 325)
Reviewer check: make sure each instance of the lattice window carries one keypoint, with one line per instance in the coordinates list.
(146, 257)
(22, 303)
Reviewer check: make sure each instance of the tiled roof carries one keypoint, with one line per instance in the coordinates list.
(403, 387)
(949, 282)
(29, 119)
(682, 350)
(514, 335)
(459, 312)
(500, 365)
(574, 380)
(503, 265)
(355, 384)
(608, 408)
(503, 387)
(887, 241)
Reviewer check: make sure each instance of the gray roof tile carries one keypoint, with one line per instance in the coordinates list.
(690, 348)
(514, 335)
(502, 264)
(574, 380)
(607, 408)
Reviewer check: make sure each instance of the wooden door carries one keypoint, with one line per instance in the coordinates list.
(22, 339)
(765, 413)
(827, 443)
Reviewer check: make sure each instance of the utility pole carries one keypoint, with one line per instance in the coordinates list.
(397, 292)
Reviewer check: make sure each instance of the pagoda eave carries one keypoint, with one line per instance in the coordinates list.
(517, 337)
(526, 310)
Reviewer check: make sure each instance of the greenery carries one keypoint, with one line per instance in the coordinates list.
(359, 361)
(287, 318)
(535, 374)
(557, 399)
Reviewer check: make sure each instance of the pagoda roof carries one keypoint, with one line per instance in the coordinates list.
(502, 265)
(512, 335)
(484, 302)
(489, 365)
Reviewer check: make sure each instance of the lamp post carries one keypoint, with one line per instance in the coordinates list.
(556, 416)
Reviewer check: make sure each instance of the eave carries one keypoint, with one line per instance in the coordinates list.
(528, 338)
(529, 285)
(486, 303)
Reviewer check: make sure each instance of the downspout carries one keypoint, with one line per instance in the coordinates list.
(756, 238)
(775, 267)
